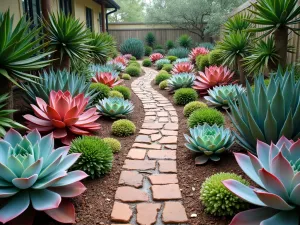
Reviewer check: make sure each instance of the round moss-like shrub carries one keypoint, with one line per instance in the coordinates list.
(162, 72)
(214, 58)
(206, 115)
(115, 94)
(217, 199)
(161, 77)
(133, 71)
(135, 63)
(96, 156)
(184, 96)
(148, 50)
(133, 46)
(147, 63)
(172, 58)
(167, 67)
(113, 143)
(126, 76)
(133, 58)
(125, 91)
(192, 106)
(123, 128)
(163, 85)
(202, 62)
(102, 91)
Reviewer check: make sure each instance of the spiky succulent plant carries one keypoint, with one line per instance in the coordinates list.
(115, 107)
(181, 80)
(211, 141)
(161, 62)
(181, 60)
(222, 95)
(118, 66)
(276, 170)
(155, 56)
(184, 67)
(107, 79)
(34, 175)
(97, 68)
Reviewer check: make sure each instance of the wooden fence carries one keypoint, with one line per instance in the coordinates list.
(294, 40)
(162, 32)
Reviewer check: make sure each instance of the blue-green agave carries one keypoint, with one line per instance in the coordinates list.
(211, 141)
(116, 65)
(222, 95)
(33, 175)
(161, 62)
(115, 107)
(181, 80)
(268, 112)
(182, 60)
(97, 68)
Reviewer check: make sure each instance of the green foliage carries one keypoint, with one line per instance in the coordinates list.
(172, 58)
(126, 76)
(134, 63)
(114, 144)
(193, 106)
(214, 58)
(161, 77)
(123, 128)
(162, 72)
(207, 45)
(125, 91)
(181, 80)
(158, 46)
(101, 91)
(161, 62)
(134, 47)
(96, 156)
(150, 39)
(167, 67)
(148, 50)
(184, 96)
(115, 94)
(132, 58)
(147, 63)
(163, 85)
(170, 44)
(239, 22)
(185, 41)
(133, 71)
(115, 107)
(206, 115)
(161, 51)
(217, 199)
(179, 52)
(202, 61)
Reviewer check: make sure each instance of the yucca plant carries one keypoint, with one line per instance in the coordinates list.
(115, 107)
(268, 112)
(239, 22)
(276, 17)
(69, 37)
(150, 39)
(20, 53)
(181, 80)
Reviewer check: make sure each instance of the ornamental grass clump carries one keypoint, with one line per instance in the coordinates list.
(276, 171)
(179, 52)
(114, 144)
(125, 91)
(123, 128)
(34, 176)
(193, 106)
(96, 156)
(115, 107)
(133, 46)
(147, 63)
(161, 77)
(210, 141)
(206, 115)
(181, 80)
(219, 201)
(185, 95)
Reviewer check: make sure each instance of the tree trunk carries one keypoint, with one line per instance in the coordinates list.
(281, 43)
(61, 64)
(6, 88)
(241, 70)
(46, 8)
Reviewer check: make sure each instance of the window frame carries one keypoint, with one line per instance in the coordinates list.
(66, 6)
(89, 18)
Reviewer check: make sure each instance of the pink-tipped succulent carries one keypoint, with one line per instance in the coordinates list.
(277, 171)
(197, 51)
(184, 67)
(65, 116)
(155, 56)
(213, 76)
(127, 56)
(122, 60)
(34, 177)
(106, 78)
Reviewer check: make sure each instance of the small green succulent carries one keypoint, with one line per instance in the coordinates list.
(147, 63)
(161, 77)
(123, 128)
(206, 115)
(113, 143)
(115, 107)
(101, 90)
(125, 91)
(184, 96)
(161, 62)
(193, 106)
(181, 80)
(115, 94)
(126, 76)
(217, 199)
(163, 85)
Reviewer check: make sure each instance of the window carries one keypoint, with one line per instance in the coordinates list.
(66, 6)
(100, 21)
(32, 10)
(89, 18)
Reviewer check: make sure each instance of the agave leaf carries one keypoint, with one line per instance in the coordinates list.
(44, 199)
(65, 213)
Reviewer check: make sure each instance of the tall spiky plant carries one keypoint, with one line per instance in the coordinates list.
(239, 22)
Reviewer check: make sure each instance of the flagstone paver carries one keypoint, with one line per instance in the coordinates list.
(148, 191)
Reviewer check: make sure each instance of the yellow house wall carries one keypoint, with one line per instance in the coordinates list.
(15, 7)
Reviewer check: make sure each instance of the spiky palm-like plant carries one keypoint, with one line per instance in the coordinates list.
(239, 22)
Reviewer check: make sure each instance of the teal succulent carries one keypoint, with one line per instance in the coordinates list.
(116, 65)
(34, 175)
(181, 80)
(269, 112)
(115, 107)
(161, 62)
(97, 68)
(211, 141)
(181, 60)
(222, 95)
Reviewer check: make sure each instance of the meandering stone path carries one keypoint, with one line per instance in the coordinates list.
(148, 191)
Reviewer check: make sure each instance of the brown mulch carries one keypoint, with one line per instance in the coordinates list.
(192, 176)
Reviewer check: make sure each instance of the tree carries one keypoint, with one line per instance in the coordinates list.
(200, 17)
(131, 11)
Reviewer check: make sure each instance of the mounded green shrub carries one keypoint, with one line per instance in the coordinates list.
(163, 85)
(133, 46)
(192, 106)
(184, 96)
(133, 71)
(161, 62)
(206, 115)
(172, 58)
(162, 72)
(133, 58)
(170, 44)
(217, 199)
(147, 63)
(148, 50)
(161, 77)
(113, 143)
(115, 94)
(167, 67)
(135, 63)
(102, 91)
(96, 156)
(185, 41)
(202, 62)
(150, 39)
(125, 91)
(214, 58)
(179, 52)
(123, 128)
(126, 76)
